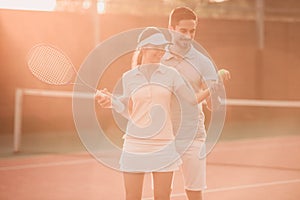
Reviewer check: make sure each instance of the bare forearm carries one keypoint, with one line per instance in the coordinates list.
(203, 95)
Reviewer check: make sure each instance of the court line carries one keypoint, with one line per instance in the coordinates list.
(230, 164)
(246, 145)
(30, 166)
(73, 162)
(253, 185)
(250, 144)
(239, 187)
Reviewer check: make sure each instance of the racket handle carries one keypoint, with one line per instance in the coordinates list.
(115, 102)
(101, 94)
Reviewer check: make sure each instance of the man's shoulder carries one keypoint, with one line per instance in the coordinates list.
(170, 71)
(199, 58)
(199, 54)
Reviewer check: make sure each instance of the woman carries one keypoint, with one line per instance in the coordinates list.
(149, 139)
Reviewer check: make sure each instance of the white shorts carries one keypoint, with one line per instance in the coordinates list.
(193, 168)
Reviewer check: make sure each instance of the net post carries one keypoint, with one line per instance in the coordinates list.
(18, 119)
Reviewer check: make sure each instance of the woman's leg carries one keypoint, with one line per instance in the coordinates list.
(133, 183)
(162, 185)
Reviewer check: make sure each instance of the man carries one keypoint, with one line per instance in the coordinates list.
(199, 72)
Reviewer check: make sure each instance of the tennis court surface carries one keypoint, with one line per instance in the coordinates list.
(254, 168)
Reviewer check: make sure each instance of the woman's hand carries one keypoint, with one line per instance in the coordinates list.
(104, 98)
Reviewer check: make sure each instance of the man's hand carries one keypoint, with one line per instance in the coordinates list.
(224, 75)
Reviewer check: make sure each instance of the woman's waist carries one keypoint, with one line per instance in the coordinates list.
(134, 145)
(160, 130)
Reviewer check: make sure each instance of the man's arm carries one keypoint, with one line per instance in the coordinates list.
(212, 86)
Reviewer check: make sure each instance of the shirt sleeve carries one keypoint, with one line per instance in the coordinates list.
(183, 89)
(209, 72)
(118, 104)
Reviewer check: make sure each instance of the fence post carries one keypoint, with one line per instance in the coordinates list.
(18, 119)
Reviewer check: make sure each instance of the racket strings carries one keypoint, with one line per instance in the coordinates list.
(50, 66)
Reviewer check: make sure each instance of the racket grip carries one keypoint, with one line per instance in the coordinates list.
(115, 102)
(101, 94)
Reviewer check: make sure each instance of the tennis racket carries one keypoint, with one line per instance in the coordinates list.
(50, 65)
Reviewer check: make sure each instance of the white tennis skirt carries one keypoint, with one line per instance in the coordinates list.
(149, 155)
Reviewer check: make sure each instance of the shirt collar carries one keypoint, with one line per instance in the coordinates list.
(168, 55)
(162, 69)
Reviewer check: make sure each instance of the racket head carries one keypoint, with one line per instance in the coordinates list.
(50, 65)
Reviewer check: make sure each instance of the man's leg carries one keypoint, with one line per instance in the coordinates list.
(194, 195)
(194, 171)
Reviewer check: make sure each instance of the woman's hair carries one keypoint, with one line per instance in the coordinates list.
(137, 55)
(181, 13)
(136, 58)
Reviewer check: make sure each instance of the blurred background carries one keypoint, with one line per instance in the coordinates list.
(258, 41)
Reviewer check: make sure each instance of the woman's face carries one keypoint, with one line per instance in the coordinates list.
(153, 53)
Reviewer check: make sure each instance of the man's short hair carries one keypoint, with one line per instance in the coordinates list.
(181, 13)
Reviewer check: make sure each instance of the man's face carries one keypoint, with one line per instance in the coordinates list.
(184, 33)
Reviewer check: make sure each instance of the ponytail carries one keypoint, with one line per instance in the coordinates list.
(136, 59)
